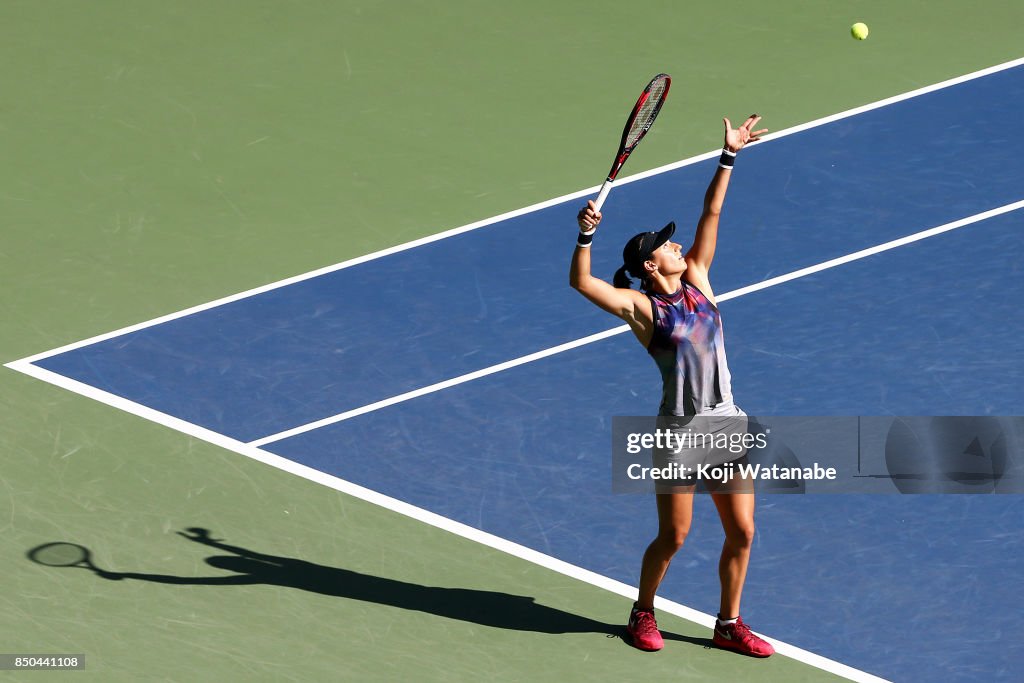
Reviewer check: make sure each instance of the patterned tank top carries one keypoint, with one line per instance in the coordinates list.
(689, 347)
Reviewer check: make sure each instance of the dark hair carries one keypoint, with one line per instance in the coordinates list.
(622, 279)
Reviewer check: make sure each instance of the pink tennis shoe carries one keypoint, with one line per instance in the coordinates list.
(740, 638)
(643, 629)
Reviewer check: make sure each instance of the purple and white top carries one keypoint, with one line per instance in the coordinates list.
(688, 346)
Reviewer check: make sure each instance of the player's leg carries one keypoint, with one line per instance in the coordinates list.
(736, 510)
(675, 512)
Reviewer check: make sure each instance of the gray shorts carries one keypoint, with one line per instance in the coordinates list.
(703, 449)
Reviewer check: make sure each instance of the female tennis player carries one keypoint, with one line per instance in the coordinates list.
(675, 318)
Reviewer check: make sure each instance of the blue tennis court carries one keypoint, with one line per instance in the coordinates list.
(926, 328)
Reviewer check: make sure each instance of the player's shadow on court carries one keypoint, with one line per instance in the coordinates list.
(487, 608)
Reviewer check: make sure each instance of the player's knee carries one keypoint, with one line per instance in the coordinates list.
(741, 535)
(674, 538)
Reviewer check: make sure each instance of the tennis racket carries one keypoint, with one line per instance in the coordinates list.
(639, 122)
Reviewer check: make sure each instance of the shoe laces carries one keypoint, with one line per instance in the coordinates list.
(742, 631)
(644, 622)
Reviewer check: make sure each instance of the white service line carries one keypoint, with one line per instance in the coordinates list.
(590, 339)
(461, 379)
(425, 516)
(519, 212)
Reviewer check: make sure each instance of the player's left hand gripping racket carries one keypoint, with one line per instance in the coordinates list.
(637, 125)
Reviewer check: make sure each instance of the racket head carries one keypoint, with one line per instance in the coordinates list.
(646, 109)
(640, 119)
(60, 554)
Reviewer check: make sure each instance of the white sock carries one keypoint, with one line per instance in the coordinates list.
(726, 622)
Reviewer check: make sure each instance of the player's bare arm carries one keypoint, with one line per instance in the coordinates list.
(701, 254)
(627, 304)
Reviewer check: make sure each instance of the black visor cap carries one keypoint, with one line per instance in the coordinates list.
(640, 248)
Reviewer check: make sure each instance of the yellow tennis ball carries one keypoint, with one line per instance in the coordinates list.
(859, 31)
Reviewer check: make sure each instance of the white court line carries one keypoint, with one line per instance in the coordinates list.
(401, 507)
(583, 341)
(519, 212)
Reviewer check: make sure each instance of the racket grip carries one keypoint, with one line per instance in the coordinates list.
(603, 194)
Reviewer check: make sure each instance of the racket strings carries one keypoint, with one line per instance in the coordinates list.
(648, 111)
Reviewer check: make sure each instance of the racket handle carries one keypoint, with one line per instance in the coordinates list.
(603, 194)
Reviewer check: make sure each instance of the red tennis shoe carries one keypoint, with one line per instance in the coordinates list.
(739, 637)
(643, 629)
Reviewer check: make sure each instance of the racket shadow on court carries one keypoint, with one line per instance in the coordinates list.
(487, 608)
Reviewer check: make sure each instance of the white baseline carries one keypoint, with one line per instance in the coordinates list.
(433, 519)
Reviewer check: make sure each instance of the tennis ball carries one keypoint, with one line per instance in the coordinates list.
(859, 31)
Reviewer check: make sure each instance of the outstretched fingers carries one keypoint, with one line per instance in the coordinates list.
(748, 126)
